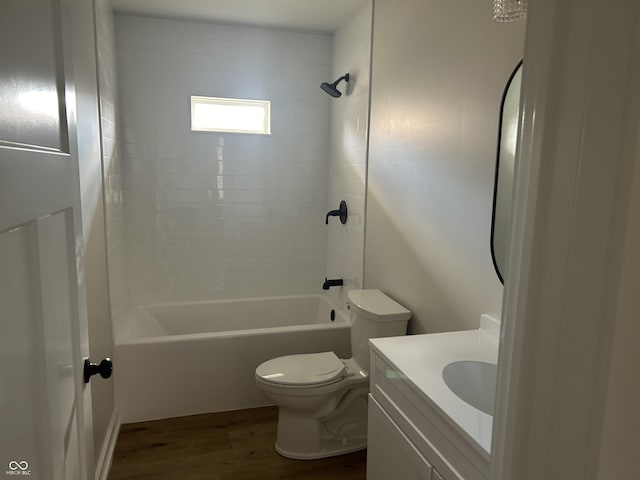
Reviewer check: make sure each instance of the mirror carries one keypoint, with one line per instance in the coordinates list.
(505, 164)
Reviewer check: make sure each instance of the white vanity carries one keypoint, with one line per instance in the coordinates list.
(418, 427)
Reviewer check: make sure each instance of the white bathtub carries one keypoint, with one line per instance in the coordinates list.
(189, 358)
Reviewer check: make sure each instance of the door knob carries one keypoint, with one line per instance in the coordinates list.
(104, 368)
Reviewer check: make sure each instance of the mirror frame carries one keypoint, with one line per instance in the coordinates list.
(497, 170)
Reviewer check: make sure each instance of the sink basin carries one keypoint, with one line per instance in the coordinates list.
(473, 382)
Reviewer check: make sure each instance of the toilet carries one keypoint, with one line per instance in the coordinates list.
(322, 399)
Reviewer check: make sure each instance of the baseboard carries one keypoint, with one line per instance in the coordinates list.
(103, 464)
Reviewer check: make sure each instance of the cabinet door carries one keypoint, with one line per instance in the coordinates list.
(435, 475)
(390, 453)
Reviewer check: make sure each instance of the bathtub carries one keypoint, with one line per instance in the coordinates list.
(189, 358)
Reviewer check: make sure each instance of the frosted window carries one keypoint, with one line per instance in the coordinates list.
(212, 114)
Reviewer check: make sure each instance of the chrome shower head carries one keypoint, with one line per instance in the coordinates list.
(332, 88)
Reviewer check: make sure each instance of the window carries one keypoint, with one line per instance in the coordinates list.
(212, 114)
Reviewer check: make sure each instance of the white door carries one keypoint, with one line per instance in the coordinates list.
(42, 422)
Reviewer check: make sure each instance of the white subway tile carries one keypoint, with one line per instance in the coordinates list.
(229, 215)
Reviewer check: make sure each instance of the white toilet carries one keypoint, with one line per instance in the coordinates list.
(322, 399)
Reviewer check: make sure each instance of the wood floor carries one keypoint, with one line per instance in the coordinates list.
(220, 446)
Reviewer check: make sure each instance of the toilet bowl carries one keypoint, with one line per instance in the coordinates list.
(322, 399)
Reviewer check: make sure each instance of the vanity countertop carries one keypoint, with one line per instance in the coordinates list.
(421, 359)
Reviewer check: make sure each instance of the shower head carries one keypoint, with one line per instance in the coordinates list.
(332, 88)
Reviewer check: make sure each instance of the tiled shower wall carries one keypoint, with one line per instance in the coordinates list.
(112, 163)
(211, 215)
(348, 159)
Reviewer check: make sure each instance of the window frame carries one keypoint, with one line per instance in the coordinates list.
(264, 104)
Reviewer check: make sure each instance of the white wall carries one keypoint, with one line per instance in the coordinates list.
(581, 106)
(439, 69)
(214, 215)
(112, 163)
(348, 159)
(621, 432)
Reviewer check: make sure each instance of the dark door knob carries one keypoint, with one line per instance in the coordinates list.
(104, 368)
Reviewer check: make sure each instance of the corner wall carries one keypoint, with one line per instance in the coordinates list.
(112, 168)
(620, 440)
(439, 70)
(348, 159)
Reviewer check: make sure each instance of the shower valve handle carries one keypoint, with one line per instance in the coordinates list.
(341, 212)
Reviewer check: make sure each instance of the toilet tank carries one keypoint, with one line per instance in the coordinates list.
(373, 315)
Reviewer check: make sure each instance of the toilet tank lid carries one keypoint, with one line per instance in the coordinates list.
(377, 306)
(304, 369)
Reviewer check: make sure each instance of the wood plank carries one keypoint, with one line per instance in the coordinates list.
(237, 445)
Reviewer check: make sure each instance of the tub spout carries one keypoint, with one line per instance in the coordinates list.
(337, 282)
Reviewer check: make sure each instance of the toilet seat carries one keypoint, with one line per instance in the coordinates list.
(305, 370)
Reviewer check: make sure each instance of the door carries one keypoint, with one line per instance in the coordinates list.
(42, 317)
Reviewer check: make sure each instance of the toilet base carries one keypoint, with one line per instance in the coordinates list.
(302, 437)
(326, 452)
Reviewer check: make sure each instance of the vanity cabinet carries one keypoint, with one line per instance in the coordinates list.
(409, 437)
(390, 453)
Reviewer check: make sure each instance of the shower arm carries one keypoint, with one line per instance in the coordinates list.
(345, 77)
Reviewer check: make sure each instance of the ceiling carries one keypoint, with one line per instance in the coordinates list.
(314, 15)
